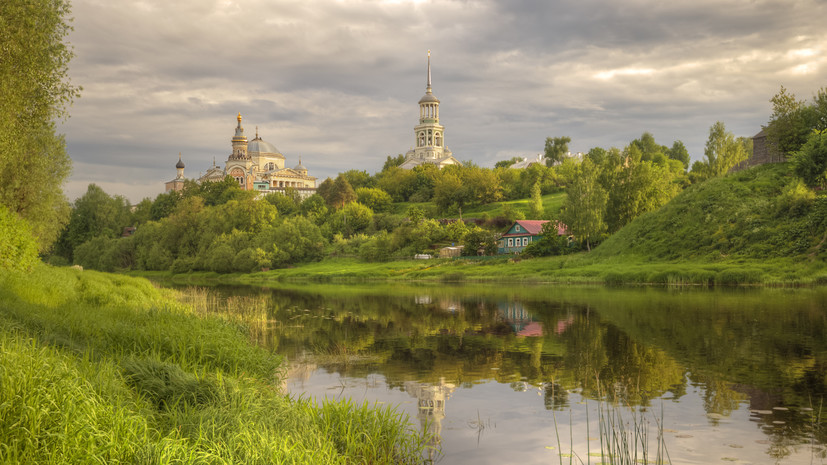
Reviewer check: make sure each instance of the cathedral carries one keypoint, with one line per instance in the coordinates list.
(429, 134)
(255, 165)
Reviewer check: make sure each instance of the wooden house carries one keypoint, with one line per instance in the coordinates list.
(522, 233)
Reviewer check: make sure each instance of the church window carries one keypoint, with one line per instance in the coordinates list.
(438, 139)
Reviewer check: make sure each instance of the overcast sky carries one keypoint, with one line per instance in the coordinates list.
(336, 82)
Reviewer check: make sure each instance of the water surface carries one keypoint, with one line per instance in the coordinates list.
(513, 374)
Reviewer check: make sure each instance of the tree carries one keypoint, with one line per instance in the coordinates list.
(596, 155)
(342, 193)
(679, 152)
(787, 129)
(95, 214)
(649, 149)
(723, 151)
(535, 205)
(358, 178)
(374, 198)
(556, 148)
(585, 206)
(393, 162)
(810, 163)
(35, 91)
(507, 163)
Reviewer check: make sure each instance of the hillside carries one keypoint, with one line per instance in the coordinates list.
(760, 213)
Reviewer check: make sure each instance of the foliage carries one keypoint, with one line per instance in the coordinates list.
(585, 207)
(36, 91)
(351, 219)
(18, 248)
(359, 178)
(723, 151)
(507, 163)
(734, 216)
(550, 243)
(95, 214)
(787, 129)
(556, 149)
(479, 239)
(374, 198)
(810, 162)
(392, 162)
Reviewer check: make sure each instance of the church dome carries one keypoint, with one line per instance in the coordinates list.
(300, 167)
(180, 164)
(429, 98)
(263, 147)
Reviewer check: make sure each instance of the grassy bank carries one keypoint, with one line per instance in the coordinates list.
(572, 269)
(98, 368)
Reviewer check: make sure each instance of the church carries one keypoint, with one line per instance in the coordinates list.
(258, 165)
(429, 134)
(255, 165)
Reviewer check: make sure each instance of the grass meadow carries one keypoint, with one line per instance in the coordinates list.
(102, 368)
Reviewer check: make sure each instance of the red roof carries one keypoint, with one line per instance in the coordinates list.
(535, 227)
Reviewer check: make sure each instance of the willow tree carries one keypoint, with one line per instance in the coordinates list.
(36, 92)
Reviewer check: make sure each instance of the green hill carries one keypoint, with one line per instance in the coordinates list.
(759, 213)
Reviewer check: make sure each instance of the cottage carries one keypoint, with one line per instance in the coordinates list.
(522, 233)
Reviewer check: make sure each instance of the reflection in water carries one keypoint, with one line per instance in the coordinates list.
(431, 400)
(738, 363)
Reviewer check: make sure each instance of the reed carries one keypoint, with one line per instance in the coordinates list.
(624, 439)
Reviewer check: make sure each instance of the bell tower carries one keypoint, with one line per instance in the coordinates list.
(429, 134)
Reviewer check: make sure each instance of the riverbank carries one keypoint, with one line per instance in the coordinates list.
(571, 269)
(102, 368)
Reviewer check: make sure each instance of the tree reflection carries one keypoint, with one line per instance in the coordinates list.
(635, 345)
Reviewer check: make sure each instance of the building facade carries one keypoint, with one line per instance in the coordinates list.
(429, 135)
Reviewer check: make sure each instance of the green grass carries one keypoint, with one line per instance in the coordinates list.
(98, 368)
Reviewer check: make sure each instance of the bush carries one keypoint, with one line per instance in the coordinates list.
(18, 248)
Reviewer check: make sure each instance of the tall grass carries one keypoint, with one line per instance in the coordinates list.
(624, 440)
(97, 368)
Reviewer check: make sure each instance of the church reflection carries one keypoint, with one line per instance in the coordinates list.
(431, 400)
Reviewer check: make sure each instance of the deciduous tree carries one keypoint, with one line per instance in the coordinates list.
(585, 206)
(723, 151)
(36, 92)
(556, 148)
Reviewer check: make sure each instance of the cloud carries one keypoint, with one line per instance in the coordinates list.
(336, 81)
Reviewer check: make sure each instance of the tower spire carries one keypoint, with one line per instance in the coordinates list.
(428, 89)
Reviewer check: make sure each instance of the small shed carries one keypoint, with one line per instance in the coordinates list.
(450, 252)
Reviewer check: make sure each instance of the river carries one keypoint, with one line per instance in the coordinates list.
(531, 374)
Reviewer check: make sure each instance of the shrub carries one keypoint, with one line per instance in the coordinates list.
(18, 248)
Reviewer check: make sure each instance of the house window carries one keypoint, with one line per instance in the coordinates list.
(517, 228)
(510, 242)
(525, 241)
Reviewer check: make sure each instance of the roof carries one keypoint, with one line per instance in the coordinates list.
(429, 98)
(535, 227)
(262, 146)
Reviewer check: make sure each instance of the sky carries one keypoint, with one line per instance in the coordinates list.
(336, 82)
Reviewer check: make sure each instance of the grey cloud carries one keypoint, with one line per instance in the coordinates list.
(336, 82)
